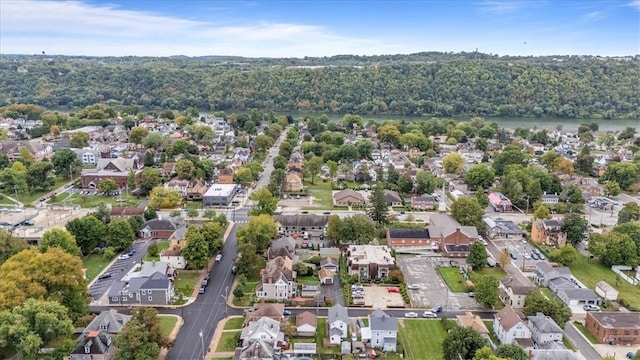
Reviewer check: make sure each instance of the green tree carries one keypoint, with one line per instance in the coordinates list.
(150, 214)
(149, 159)
(39, 175)
(248, 259)
(486, 289)
(155, 140)
(79, 140)
(65, 163)
(377, 208)
(467, 211)
(614, 248)
(477, 255)
(185, 169)
(55, 237)
(631, 229)
(136, 222)
(244, 176)
(575, 227)
(462, 343)
(258, 231)
(334, 226)
(629, 212)
(508, 157)
(426, 182)
(119, 234)
(512, 351)
(356, 229)
(137, 134)
(483, 199)
(542, 212)
(9, 245)
(107, 186)
(213, 233)
(29, 327)
(480, 176)
(485, 353)
(625, 174)
(141, 338)
(196, 252)
(453, 163)
(164, 198)
(312, 167)
(193, 213)
(12, 180)
(264, 202)
(405, 184)
(88, 232)
(565, 255)
(131, 180)
(209, 214)
(263, 143)
(611, 188)
(536, 302)
(25, 156)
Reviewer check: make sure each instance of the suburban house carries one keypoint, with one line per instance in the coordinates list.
(545, 273)
(115, 169)
(154, 289)
(271, 310)
(173, 254)
(549, 198)
(619, 328)
(392, 198)
(544, 330)
(125, 212)
(264, 329)
(306, 324)
(329, 263)
(510, 328)
(179, 185)
(109, 321)
(512, 291)
(384, 331)
(370, 261)
(158, 229)
(87, 157)
(314, 225)
(39, 150)
(293, 183)
(400, 237)
(606, 291)
(548, 232)
(196, 190)
(96, 345)
(423, 202)
(284, 246)
(168, 169)
(577, 296)
(226, 176)
(277, 280)
(348, 197)
(472, 321)
(502, 229)
(338, 319)
(326, 276)
(499, 202)
(560, 281)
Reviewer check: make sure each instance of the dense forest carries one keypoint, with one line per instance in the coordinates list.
(438, 84)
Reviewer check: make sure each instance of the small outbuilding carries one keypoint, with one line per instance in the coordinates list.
(606, 291)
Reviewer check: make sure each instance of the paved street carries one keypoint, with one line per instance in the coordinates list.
(579, 342)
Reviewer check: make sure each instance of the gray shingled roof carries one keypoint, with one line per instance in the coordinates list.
(156, 281)
(379, 320)
(544, 323)
(409, 233)
(338, 312)
(114, 321)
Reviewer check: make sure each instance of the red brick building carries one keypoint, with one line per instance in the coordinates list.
(619, 328)
(116, 169)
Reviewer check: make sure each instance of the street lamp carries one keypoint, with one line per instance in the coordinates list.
(226, 299)
(202, 343)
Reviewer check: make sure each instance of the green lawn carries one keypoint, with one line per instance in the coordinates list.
(90, 201)
(248, 297)
(6, 202)
(31, 196)
(492, 335)
(94, 264)
(161, 246)
(452, 277)
(591, 271)
(166, 323)
(585, 332)
(422, 339)
(186, 282)
(321, 334)
(234, 323)
(494, 271)
(548, 293)
(321, 191)
(228, 341)
(308, 280)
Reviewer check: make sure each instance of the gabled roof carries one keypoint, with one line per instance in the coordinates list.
(392, 196)
(267, 309)
(257, 350)
(473, 321)
(408, 233)
(302, 220)
(380, 321)
(157, 281)
(121, 164)
(338, 312)
(328, 261)
(346, 193)
(159, 225)
(580, 294)
(306, 317)
(97, 342)
(544, 323)
(517, 287)
(112, 319)
(508, 318)
(445, 224)
(324, 273)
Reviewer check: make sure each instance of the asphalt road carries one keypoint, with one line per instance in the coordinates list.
(580, 342)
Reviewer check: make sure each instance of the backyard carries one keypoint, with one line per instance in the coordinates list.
(422, 339)
(166, 324)
(94, 263)
(456, 281)
(228, 341)
(90, 201)
(161, 246)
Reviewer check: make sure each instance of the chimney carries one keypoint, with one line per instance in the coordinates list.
(270, 279)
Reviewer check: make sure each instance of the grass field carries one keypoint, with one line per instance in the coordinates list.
(31, 196)
(308, 280)
(91, 201)
(591, 271)
(186, 282)
(456, 281)
(94, 264)
(234, 323)
(321, 191)
(422, 339)
(161, 246)
(228, 341)
(585, 332)
(166, 323)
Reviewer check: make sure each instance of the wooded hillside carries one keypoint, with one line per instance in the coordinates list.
(427, 83)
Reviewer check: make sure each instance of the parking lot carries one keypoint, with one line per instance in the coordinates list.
(519, 249)
(379, 297)
(421, 270)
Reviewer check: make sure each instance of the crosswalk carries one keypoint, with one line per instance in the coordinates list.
(241, 221)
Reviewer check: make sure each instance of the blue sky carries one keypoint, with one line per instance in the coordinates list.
(319, 28)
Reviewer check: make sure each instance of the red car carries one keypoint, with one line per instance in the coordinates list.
(393, 290)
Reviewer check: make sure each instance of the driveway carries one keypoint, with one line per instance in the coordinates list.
(334, 291)
(433, 291)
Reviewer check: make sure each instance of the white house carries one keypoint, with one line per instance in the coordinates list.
(338, 319)
(606, 291)
(509, 327)
(384, 331)
(265, 329)
(543, 329)
(306, 324)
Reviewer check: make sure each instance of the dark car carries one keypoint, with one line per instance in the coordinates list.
(131, 251)
(630, 355)
(286, 312)
(104, 276)
(436, 309)
(453, 263)
(28, 223)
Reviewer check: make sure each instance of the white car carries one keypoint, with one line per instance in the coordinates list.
(413, 287)
(218, 257)
(589, 307)
(429, 314)
(412, 315)
(123, 257)
(526, 256)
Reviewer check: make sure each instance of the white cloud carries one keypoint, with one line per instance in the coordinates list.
(634, 4)
(593, 16)
(499, 7)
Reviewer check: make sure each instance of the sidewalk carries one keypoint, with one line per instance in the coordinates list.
(172, 336)
(213, 345)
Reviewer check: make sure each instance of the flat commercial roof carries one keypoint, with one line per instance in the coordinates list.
(219, 190)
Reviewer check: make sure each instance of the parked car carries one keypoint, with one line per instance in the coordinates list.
(630, 355)
(104, 276)
(412, 315)
(202, 289)
(436, 309)
(131, 251)
(234, 269)
(27, 223)
(453, 263)
(393, 289)
(534, 256)
(541, 256)
(514, 256)
(429, 314)
(527, 257)
(354, 336)
(413, 287)
(286, 312)
(123, 257)
(218, 257)
(472, 294)
(357, 287)
(205, 281)
(590, 307)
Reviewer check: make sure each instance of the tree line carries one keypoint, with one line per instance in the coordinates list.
(413, 85)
